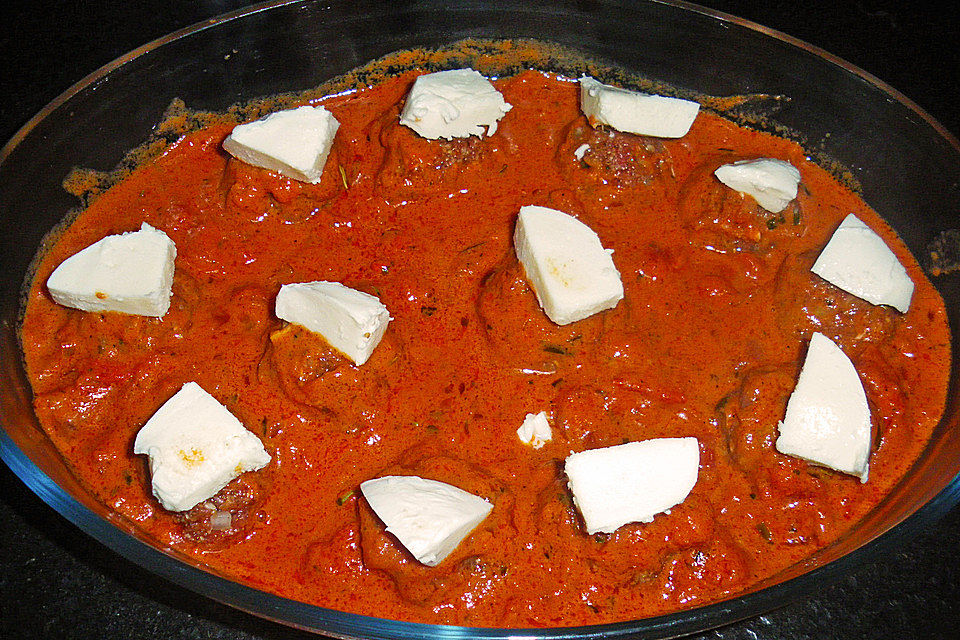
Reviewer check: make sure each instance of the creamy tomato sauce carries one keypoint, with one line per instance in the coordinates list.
(719, 307)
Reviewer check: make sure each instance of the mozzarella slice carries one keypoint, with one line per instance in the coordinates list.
(295, 142)
(632, 482)
(196, 446)
(453, 104)
(428, 517)
(570, 272)
(129, 273)
(858, 261)
(352, 322)
(535, 430)
(635, 112)
(772, 183)
(828, 420)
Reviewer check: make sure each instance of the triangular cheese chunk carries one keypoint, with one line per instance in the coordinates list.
(772, 183)
(128, 273)
(632, 482)
(453, 104)
(428, 517)
(294, 142)
(828, 420)
(858, 261)
(635, 112)
(196, 446)
(570, 272)
(351, 321)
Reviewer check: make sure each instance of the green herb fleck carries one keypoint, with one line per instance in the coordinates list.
(473, 246)
(765, 532)
(552, 348)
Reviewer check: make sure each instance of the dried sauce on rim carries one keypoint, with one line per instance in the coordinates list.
(708, 341)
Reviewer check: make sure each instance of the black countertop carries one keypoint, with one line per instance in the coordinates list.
(55, 582)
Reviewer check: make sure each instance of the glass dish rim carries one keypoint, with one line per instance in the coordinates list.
(350, 625)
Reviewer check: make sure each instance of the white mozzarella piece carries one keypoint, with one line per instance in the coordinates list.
(352, 322)
(828, 420)
(570, 272)
(428, 517)
(129, 273)
(294, 142)
(453, 104)
(632, 482)
(535, 430)
(581, 151)
(635, 112)
(772, 183)
(196, 446)
(858, 261)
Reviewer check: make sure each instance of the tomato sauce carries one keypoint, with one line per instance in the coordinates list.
(708, 342)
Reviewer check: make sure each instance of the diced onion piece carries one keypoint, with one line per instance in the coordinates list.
(535, 430)
(221, 520)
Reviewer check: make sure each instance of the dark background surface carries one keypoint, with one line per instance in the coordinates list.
(55, 582)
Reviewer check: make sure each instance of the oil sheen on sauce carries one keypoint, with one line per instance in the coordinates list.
(719, 306)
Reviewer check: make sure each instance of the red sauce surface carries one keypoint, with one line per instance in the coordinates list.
(719, 306)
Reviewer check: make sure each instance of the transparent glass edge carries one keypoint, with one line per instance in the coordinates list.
(267, 605)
